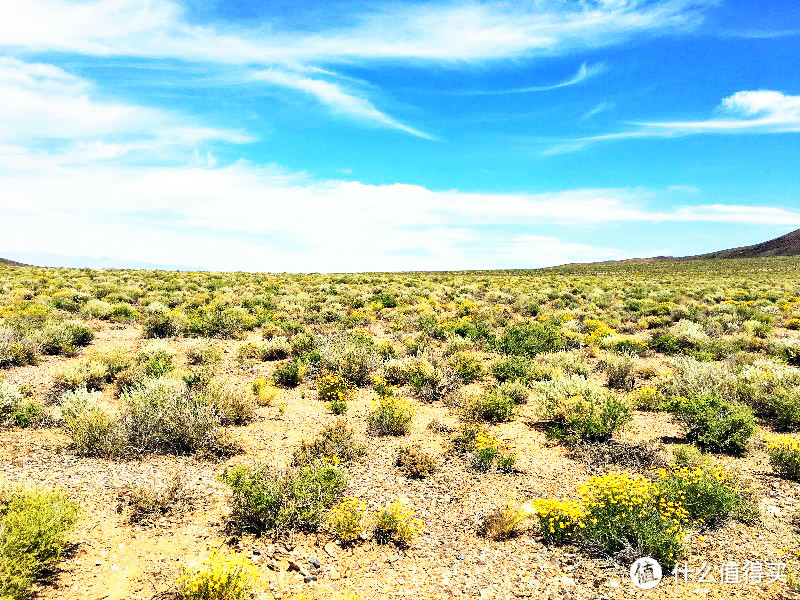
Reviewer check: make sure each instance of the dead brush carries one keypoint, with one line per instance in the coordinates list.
(144, 504)
(415, 463)
(602, 456)
(504, 521)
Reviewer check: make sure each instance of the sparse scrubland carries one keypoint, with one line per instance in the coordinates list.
(477, 434)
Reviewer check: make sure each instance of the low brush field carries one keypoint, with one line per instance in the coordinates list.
(509, 434)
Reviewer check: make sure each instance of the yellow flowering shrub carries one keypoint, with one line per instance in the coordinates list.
(396, 523)
(346, 520)
(784, 454)
(645, 398)
(222, 576)
(558, 519)
(333, 387)
(707, 492)
(628, 511)
(490, 450)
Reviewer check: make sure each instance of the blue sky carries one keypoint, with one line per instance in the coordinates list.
(348, 136)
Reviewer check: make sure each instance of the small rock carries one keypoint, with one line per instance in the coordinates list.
(294, 566)
(330, 549)
(314, 562)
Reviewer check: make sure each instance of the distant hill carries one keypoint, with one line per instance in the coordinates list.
(4, 262)
(786, 245)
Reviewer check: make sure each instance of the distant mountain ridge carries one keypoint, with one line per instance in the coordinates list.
(11, 263)
(786, 245)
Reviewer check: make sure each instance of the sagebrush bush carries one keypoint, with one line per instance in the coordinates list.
(414, 462)
(335, 442)
(574, 408)
(63, 338)
(713, 423)
(161, 322)
(396, 523)
(784, 455)
(88, 373)
(16, 350)
(279, 502)
(494, 405)
(347, 520)
(530, 339)
(276, 348)
(221, 576)
(351, 358)
(34, 528)
(290, 374)
(621, 371)
(15, 409)
(203, 352)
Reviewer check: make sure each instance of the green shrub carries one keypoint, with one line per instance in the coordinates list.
(574, 408)
(161, 322)
(203, 352)
(414, 463)
(397, 523)
(15, 410)
(489, 450)
(15, 350)
(646, 398)
(155, 359)
(492, 406)
(518, 393)
(621, 372)
(665, 343)
(786, 408)
(784, 455)
(513, 368)
(34, 525)
(122, 311)
(264, 391)
(466, 365)
(290, 374)
(64, 337)
(99, 309)
(335, 442)
(713, 423)
(530, 339)
(628, 516)
(390, 416)
(276, 348)
(284, 501)
(707, 492)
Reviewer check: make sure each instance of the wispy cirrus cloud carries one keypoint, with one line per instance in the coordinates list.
(751, 112)
(459, 31)
(456, 34)
(335, 97)
(585, 72)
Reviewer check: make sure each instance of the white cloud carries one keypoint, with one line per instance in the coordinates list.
(584, 72)
(336, 98)
(460, 31)
(41, 103)
(246, 217)
(754, 112)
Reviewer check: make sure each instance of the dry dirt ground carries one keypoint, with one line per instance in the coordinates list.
(114, 560)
